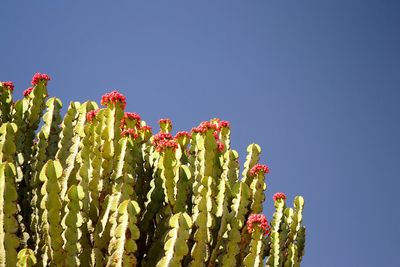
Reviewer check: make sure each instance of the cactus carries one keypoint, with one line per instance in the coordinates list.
(97, 188)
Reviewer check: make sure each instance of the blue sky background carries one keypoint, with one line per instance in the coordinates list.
(315, 83)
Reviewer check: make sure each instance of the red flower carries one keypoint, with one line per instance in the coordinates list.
(129, 132)
(204, 127)
(113, 97)
(39, 77)
(198, 129)
(8, 85)
(259, 168)
(220, 146)
(165, 121)
(222, 124)
(91, 115)
(145, 128)
(182, 134)
(279, 195)
(209, 125)
(157, 138)
(165, 144)
(130, 116)
(261, 222)
(28, 91)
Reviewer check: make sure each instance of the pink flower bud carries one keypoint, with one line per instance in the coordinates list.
(8, 85)
(114, 97)
(258, 220)
(279, 195)
(39, 77)
(259, 168)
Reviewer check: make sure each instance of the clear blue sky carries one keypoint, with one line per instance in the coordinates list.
(315, 83)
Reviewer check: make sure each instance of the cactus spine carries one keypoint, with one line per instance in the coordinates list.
(97, 188)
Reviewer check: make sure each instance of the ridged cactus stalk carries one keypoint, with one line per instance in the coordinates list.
(96, 187)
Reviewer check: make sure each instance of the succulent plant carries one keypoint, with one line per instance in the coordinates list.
(97, 188)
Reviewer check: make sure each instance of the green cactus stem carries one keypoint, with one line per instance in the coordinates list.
(6, 102)
(46, 147)
(252, 158)
(51, 205)
(297, 217)
(72, 223)
(254, 258)
(9, 241)
(175, 247)
(124, 234)
(274, 258)
(241, 194)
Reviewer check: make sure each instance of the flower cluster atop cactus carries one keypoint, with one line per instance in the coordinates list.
(260, 221)
(96, 187)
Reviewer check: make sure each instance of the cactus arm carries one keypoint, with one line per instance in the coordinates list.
(204, 203)
(67, 132)
(9, 241)
(284, 232)
(7, 154)
(38, 97)
(241, 193)
(169, 171)
(274, 257)
(72, 135)
(44, 150)
(126, 170)
(221, 196)
(95, 185)
(154, 203)
(203, 220)
(30, 113)
(257, 187)
(101, 235)
(105, 203)
(232, 166)
(18, 117)
(123, 183)
(124, 235)
(51, 205)
(6, 102)
(72, 223)
(301, 242)
(144, 172)
(110, 137)
(228, 178)
(7, 146)
(183, 187)
(225, 135)
(175, 247)
(49, 133)
(292, 257)
(254, 257)
(252, 158)
(132, 234)
(83, 177)
(122, 186)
